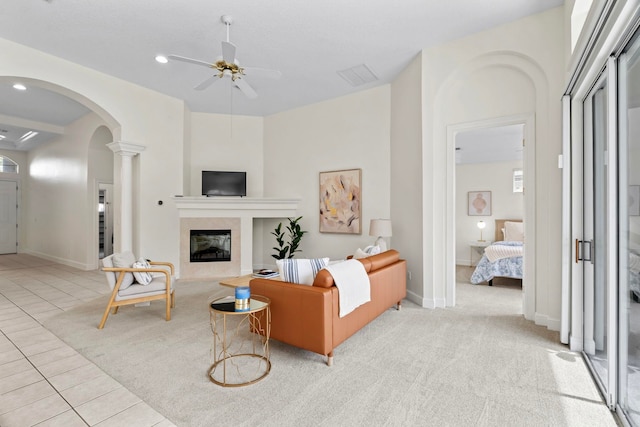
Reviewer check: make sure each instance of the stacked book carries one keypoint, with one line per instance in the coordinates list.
(265, 273)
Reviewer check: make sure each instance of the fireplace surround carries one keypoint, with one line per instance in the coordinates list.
(225, 213)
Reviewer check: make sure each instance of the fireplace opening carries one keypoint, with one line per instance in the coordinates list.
(210, 245)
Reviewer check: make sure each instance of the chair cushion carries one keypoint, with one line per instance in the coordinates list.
(157, 286)
(124, 260)
(142, 277)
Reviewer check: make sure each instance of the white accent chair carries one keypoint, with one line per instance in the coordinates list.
(124, 289)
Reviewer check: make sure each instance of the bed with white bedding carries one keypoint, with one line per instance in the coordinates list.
(505, 257)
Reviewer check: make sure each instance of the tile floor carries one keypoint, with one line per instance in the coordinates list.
(43, 381)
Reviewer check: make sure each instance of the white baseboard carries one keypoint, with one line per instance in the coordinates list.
(63, 261)
(544, 320)
(590, 347)
(415, 298)
(553, 325)
(575, 343)
(426, 302)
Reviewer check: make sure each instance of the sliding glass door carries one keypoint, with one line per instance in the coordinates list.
(596, 222)
(610, 249)
(629, 235)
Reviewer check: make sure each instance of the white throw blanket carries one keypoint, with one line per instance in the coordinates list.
(352, 281)
(496, 252)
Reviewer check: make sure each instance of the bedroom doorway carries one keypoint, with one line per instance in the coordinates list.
(490, 159)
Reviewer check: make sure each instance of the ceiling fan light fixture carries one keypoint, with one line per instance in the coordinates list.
(162, 59)
(19, 86)
(228, 66)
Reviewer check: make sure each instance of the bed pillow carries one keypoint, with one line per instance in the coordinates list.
(513, 231)
(124, 260)
(142, 277)
(301, 271)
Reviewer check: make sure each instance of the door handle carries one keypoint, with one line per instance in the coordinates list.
(581, 245)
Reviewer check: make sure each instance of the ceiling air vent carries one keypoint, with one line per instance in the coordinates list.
(358, 75)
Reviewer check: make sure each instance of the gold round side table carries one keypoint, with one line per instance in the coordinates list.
(240, 341)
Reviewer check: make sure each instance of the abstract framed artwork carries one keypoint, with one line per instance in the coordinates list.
(340, 201)
(479, 203)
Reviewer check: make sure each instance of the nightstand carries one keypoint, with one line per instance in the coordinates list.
(478, 247)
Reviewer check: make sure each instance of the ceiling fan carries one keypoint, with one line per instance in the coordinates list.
(229, 67)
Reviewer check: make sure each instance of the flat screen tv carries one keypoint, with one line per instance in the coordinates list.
(223, 183)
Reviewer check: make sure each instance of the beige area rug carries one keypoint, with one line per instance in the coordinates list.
(479, 363)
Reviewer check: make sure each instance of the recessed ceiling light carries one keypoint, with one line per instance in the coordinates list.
(27, 136)
(162, 59)
(19, 86)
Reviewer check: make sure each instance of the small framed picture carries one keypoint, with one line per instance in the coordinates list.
(479, 203)
(634, 200)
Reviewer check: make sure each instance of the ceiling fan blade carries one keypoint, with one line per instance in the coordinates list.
(190, 60)
(228, 52)
(262, 72)
(245, 88)
(208, 82)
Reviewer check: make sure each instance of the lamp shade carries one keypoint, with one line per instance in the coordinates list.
(481, 225)
(380, 227)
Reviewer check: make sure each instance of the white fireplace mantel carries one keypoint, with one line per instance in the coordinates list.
(255, 207)
(245, 208)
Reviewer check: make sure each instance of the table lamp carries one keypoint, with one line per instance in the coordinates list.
(382, 229)
(481, 226)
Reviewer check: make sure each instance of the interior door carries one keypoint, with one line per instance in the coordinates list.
(8, 217)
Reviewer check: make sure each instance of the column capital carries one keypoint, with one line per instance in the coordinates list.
(127, 149)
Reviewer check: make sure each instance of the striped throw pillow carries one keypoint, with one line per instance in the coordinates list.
(301, 271)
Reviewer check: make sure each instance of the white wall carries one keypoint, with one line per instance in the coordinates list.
(505, 204)
(133, 114)
(230, 143)
(446, 85)
(513, 69)
(345, 133)
(99, 171)
(407, 202)
(59, 204)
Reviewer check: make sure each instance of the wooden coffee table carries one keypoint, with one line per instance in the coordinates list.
(234, 282)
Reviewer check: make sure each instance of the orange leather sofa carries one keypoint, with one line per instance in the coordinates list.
(308, 316)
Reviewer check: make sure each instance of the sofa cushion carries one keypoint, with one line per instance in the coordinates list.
(383, 259)
(301, 271)
(124, 260)
(323, 279)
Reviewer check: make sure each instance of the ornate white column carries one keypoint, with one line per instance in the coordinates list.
(127, 151)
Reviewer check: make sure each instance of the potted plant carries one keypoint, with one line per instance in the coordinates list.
(295, 233)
